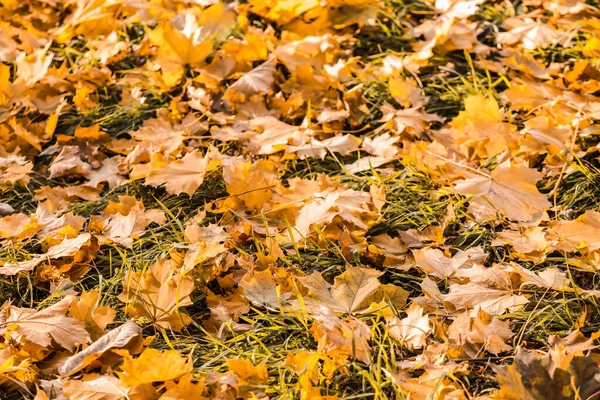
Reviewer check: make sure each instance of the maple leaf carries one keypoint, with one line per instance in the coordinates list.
(550, 278)
(95, 387)
(87, 309)
(41, 327)
(411, 120)
(318, 211)
(179, 48)
(481, 297)
(281, 11)
(66, 248)
(412, 330)
(5, 84)
(434, 263)
(158, 294)
(339, 338)
(126, 220)
(582, 233)
(510, 189)
(16, 369)
(184, 175)
(531, 243)
(343, 144)
(261, 289)
(108, 172)
(530, 33)
(69, 163)
(154, 366)
(18, 226)
(251, 183)
(156, 135)
(535, 376)
(472, 336)
(406, 92)
(14, 170)
(258, 80)
(480, 127)
(274, 135)
(248, 374)
(349, 291)
(120, 337)
(185, 389)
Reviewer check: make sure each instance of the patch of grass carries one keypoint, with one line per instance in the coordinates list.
(409, 203)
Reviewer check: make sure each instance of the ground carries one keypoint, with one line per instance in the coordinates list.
(355, 199)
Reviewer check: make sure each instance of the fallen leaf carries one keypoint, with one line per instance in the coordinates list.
(181, 176)
(262, 291)
(153, 366)
(349, 291)
(95, 387)
(41, 327)
(509, 189)
(412, 330)
(158, 294)
(117, 338)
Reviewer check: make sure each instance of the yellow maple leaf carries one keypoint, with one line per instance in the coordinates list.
(4, 84)
(87, 309)
(158, 294)
(154, 366)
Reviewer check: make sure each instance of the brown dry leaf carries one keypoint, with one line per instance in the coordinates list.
(66, 248)
(535, 376)
(120, 337)
(475, 296)
(550, 278)
(274, 135)
(349, 291)
(412, 330)
(262, 290)
(69, 163)
(574, 342)
(529, 33)
(182, 176)
(582, 233)
(18, 226)
(41, 327)
(158, 294)
(410, 120)
(14, 170)
(95, 387)
(394, 250)
(108, 172)
(437, 387)
(339, 338)
(317, 212)
(434, 263)
(378, 196)
(509, 189)
(257, 81)
(87, 309)
(343, 144)
(531, 244)
(473, 336)
(127, 220)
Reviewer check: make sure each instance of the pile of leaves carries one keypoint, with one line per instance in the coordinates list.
(299, 199)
